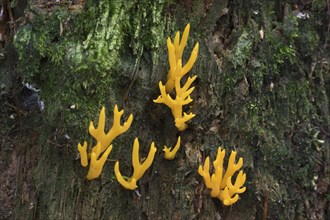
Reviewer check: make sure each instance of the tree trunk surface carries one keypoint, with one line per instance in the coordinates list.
(262, 89)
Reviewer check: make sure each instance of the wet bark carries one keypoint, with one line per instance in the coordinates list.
(262, 89)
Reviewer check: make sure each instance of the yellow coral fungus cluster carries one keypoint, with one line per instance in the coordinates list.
(220, 182)
(103, 141)
(174, 77)
(175, 74)
(139, 168)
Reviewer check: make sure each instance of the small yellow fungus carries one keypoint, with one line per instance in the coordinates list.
(175, 74)
(96, 165)
(131, 184)
(106, 138)
(182, 98)
(175, 51)
(83, 154)
(221, 185)
(103, 141)
(169, 152)
(180, 123)
(139, 168)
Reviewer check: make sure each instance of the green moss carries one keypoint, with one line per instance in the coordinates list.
(242, 50)
(84, 54)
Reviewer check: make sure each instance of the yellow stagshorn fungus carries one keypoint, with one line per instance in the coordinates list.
(169, 152)
(175, 51)
(83, 154)
(182, 98)
(106, 138)
(96, 165)
(221, 184)
(103, 141)
(139, 168)
(175, 74)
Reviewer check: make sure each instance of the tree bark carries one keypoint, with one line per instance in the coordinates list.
(262, 90)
